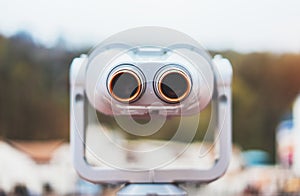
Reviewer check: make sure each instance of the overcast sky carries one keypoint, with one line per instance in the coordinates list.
(243, 25)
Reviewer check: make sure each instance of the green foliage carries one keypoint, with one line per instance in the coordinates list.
(34, 90)
(264, 87)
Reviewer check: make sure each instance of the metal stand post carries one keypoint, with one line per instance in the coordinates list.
(151, 190)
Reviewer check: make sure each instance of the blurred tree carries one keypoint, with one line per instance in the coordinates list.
(34, 89)
(270, 83)
(34, 100)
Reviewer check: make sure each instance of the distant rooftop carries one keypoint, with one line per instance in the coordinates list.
(40, 151)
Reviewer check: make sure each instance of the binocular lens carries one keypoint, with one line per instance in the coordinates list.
(174, 86)
(125, 86)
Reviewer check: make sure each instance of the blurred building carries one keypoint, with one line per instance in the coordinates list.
(285, 143)
(296, 117)
(45, 168)
(35, 165)
(288, 137)
(39, 151)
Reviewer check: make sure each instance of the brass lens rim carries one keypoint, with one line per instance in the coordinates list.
(138, 77)
(165, 72)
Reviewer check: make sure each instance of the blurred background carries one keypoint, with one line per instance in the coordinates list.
(39, 39)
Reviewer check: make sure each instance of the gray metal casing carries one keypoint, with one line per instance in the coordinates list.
(221, 99)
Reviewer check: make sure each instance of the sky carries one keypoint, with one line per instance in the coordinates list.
(242, 25)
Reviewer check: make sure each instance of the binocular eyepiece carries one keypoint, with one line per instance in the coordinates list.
(172, 83)
(126, 84)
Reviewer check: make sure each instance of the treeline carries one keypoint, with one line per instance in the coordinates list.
(264, 88)
(33, 89)
(34, 102)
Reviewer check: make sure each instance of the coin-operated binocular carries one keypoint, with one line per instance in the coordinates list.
(149, 73)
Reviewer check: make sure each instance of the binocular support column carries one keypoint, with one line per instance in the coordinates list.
(151, 190)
